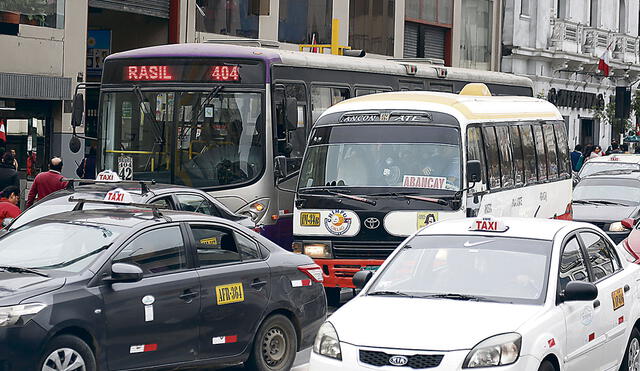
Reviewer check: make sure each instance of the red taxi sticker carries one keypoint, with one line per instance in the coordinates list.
(225, 339)
(143, 348)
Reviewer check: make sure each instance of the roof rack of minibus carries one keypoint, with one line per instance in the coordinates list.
(81, 201)
(434, 61)
(144, 184)
(260, 43)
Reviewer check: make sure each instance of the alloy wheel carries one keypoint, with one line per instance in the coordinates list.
(65, 359)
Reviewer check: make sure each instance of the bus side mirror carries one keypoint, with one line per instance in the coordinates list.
(78, 110)
(474, 171)
(291, 113)
(280, 167)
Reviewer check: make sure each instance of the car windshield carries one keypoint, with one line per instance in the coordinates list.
(512, 270)
(195, 138)
(419, 158)
(65, 246)
(592, 167)
(615, 190)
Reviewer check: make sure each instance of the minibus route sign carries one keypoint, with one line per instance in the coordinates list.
(385, 117)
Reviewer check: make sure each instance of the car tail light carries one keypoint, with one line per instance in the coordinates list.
(568, 213)
(257, 230)
(313, 271)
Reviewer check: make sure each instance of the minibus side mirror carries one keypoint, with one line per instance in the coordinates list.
(579, 291)
(78, 110)
(361, 278)
(474, 171)
(291, 113)
(123, 272)
(280, 167)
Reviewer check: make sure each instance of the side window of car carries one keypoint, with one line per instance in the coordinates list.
(603, 258)
(247, 247)
(155, 252)
(572, 265)
(196, 204)
(163, 203)
(215, 245)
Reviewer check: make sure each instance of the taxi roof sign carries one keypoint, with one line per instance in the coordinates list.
(119, 195)
(108, 176)
(488, 224)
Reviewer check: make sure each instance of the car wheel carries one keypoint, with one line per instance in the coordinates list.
(546, 366)
(275, 345)
(333, 296)
(67, 353)
(631, 360)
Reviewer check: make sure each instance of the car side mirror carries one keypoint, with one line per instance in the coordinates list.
(7, 222)
(123, 272)
(78, 110)
(474, 171)
(579, 291)
(628, 223)
(361, 278)
(291, 113)
(280, 167)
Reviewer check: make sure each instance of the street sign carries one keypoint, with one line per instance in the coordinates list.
(125, 167)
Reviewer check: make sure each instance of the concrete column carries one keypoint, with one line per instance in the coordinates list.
(398, 37)
(188, 16)
(341, 12)
(455, 33)
(268, 27)
(496, 35)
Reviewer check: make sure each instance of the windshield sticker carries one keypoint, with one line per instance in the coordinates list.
(337, 222)
(426, 217)
(418, 181)
(227, 294)
(310, 219)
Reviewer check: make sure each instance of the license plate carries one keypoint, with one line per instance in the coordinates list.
(310, 219)
(618, 298)
(371, 268)
(227, 294)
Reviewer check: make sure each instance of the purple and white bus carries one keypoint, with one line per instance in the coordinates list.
(214, 116)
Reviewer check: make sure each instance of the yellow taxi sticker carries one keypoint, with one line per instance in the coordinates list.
(227, 294)
(310, 219)
(209, 241)
(618, 299)
(426, 217)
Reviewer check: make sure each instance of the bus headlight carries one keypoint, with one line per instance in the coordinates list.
(256, 209)
(318, 250)
(327, 343)
(19, 314)
(497, 350)
(617, 227)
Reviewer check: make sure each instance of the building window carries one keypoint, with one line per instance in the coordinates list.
(622, 17)
(427, 29)
(41, 13)
(475, 43)
(562, 7)
(593, 14)
(372, 25)
(227, 17)
(305, 21)
(524, 8)
(432, 11)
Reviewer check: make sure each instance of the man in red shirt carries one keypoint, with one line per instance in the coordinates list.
(47, 182)
(9, 203)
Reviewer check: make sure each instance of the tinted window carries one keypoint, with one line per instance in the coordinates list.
(156, 251)
(572, 267)
(601, 255)
(529, 152)
(518, 160)
(564, 168)
(323, 97)
(248, 248)
(296, 138)
(163, 203)
(475, 149)
(550, 145)
(196, 204)
(506, 163)
(491, 149)
(215, 245)
(540, 152)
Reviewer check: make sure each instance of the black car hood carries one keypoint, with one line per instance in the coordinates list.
(15, 287)
(602, 213)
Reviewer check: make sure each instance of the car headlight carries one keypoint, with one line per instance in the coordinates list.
(318, 250)
(327, 343)
(19, 314)
(617, 227)
(497, 350)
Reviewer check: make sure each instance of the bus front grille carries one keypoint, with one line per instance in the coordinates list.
(363, 250)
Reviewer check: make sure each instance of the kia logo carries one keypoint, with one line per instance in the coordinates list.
(398, 360)
(372, 223)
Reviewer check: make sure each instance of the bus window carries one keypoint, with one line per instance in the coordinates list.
(323, 97)
(366, 91)
(529, 153)
(518, 160)
(506, 163)
(550, 144)
(297, 138)
(493, 159)
(475, 150)
(540, 152)
(446, 88)
(563, 149)
(411, 85)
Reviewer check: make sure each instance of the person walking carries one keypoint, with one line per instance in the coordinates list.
(87, 168)
(8, 174)
(577, 158)
(47, 182)
(9, 200)
(15, 159)
(31, 163)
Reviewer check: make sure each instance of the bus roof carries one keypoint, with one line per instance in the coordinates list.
(324, 61)
(472, 108)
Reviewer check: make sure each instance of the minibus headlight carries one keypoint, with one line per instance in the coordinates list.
(19, 314)
(318, 250)
(499, 350)
(327, 343)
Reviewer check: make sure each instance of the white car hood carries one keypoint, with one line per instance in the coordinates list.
(426, 324)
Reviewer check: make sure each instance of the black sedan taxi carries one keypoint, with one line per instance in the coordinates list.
(139, 288)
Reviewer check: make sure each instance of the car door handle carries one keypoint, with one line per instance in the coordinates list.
(257, 284)
(627, 288)
(596, 303)
(188, 295)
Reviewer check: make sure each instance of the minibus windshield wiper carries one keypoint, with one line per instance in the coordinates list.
(413, 196)
(343, 195)
(11, 269)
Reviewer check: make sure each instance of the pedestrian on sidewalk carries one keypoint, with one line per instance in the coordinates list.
(9, 201)
(15, 159)
(47, 182)
(31, 163)
(577, 158)
(87, 168)
(8, 174)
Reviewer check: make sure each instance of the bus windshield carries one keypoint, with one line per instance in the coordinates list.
(422, 159)
(196, 138)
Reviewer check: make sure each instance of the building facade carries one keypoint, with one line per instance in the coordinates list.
(558, 43)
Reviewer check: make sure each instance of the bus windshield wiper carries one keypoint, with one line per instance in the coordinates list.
(453, 296)
(212, 94)
(413, 196)
(146, 108)
(11, 269)
(390, 293)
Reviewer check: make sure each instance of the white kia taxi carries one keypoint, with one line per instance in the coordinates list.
(512, 294)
